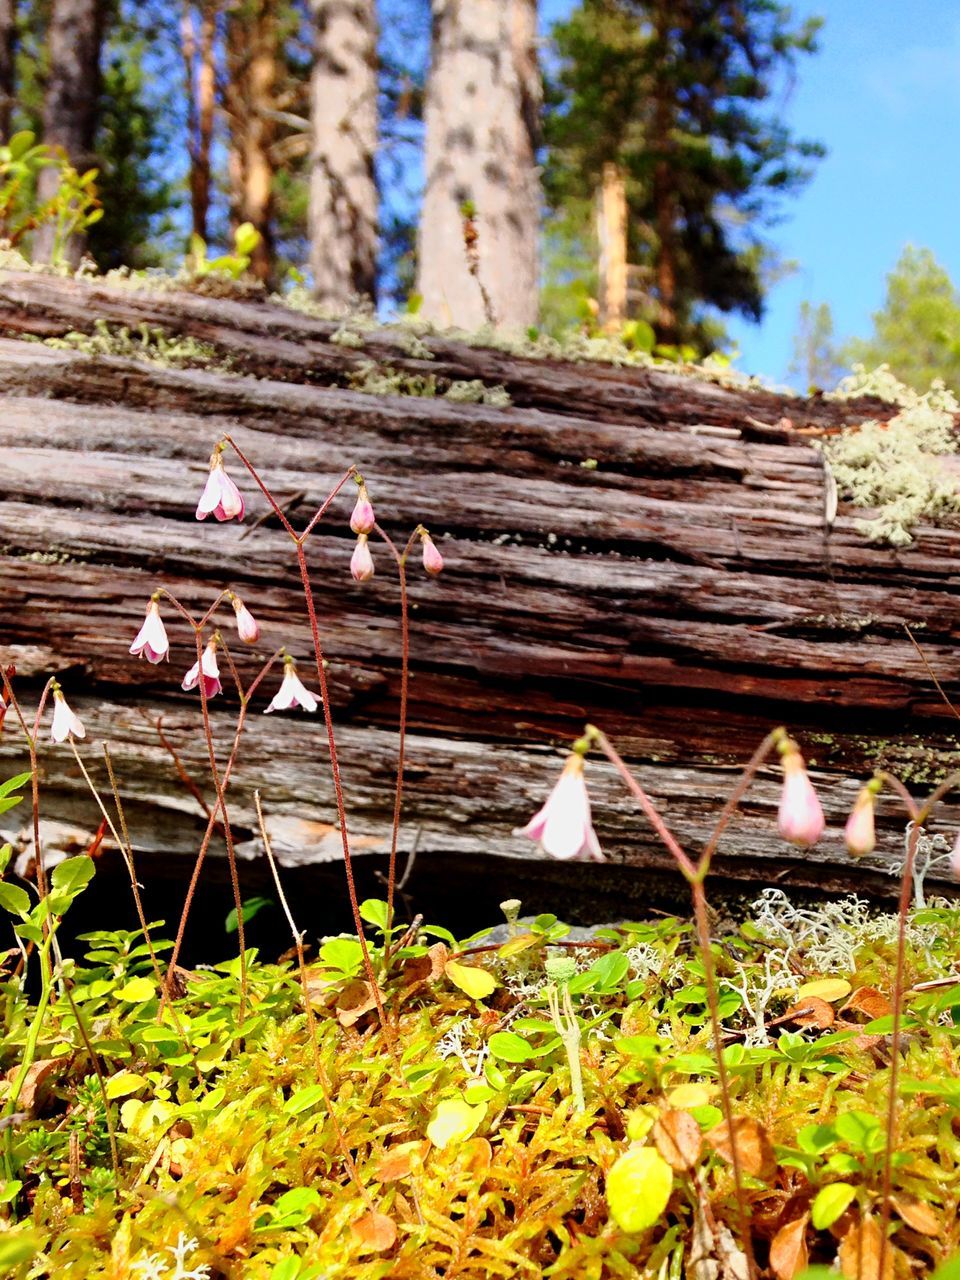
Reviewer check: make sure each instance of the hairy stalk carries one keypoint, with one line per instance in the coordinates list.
(695, 876)
(322, 1078)
(401, 561)
(341, 808)
(39, 869)
(178, 764)
(736, 795)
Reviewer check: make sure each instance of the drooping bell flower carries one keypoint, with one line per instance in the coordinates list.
(800, 817)
(248, 628)
(151, 642)
(207, 670)
(292, 692)
(955, 858)
(361, 562)
(564, 827)
(220, 495)
(362, 520)
(860, 834)
(65, 721)
(432, 559)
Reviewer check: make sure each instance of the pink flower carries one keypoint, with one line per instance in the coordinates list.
(65, 722)
(800, 817)
(432, 559)
(563, 827)
(955, 858)
(363, 519)
(361, 562)
(151, 642)
(248, 628)
(209, 669)
(292, 693)
(220, 495)
(859, 833)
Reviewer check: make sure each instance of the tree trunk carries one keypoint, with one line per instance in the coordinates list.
(684, 593)
(344, 123)
(477, 248)
(70, 107)
(664, 193)
(199, 53)
(612, 242)
(8, 32)
(252, 53)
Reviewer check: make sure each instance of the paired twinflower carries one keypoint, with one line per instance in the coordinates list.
(220, 496)
(65, 721)
(563, 828)
(292, 692)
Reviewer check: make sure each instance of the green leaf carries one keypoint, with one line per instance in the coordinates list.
(14, 784)
(136, 991)
(638, 1188)
(18, 1246)
(29, 932)
(343, 954)
(860, 1129)
(374, 911)
(72, 876)
(830, 1203)
(8, 802)
(6, 853)
(609, 970)
(21, 143)
(246, 238)
(816, 1138)
(304, 1100)
(250, 907)
(123, 1084)
(507, 1046)
(477, 983)
(454, 1120)
(14, 899)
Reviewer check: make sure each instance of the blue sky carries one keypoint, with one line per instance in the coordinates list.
(883, 94)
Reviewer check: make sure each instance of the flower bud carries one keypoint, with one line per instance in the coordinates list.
(361, 562)
(432, 559)
(800, 817)
(248, 628)
(859, 832)
(363, 519)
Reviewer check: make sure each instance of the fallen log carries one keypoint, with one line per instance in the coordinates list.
(682, 589)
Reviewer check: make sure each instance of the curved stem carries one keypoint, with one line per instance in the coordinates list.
(277, 510)
(894, 783)
(338, 793)
(733, 800)
(401, 561)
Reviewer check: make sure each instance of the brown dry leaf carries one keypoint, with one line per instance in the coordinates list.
(789, 1254)
(428, 968)
(870, 1001)
(754, 1149)
(679, 1140)
(34, 1080)
(860, 1251)
(916, 1213)
(811, 1012)
(400, 1159)
(354, 1001)
(375, 1232)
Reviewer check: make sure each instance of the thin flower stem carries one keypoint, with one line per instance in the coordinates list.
(277, 509)
(710, 982)
(690, 871)
(228, 833)
(401, 561)
(930, 672)
(341, 808)
(896, 785)
(899, 987)
(322, 509)
(178, 764)
(39, 869)
(322, 1077)
(101, 1080)
(736, 795)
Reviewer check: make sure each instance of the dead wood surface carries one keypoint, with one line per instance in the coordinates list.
(683, 592)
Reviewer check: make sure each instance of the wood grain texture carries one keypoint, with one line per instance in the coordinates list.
(683, 593)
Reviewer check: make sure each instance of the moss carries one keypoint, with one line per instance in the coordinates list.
(144, 343)
(896, 467)
(383, 380)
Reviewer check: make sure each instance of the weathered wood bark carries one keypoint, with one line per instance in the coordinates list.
(683, 592)
(344, 122)
(479, 228)
(249, 93)
(8, 34)
(69, 105)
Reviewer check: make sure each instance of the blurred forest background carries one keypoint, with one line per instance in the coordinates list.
(621, 172)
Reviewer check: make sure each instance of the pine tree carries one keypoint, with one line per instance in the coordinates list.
(344, 122)
(478, 238)
(674, 92)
